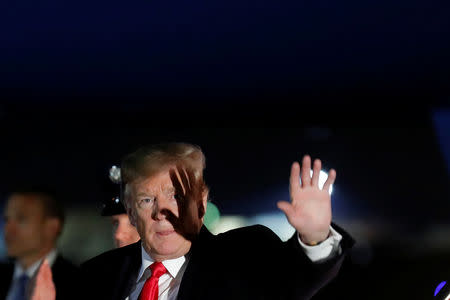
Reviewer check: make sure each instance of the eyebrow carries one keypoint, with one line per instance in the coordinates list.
(140, 194)
(166, 191)
(170, 190)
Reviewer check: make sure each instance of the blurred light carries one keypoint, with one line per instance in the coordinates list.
(439, 287)
(322, 178)
(212, 215)
(114, 174)
(226, 223)
(277, 222)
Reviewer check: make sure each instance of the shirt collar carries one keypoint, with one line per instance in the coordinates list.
(18, 270)
(173, 266)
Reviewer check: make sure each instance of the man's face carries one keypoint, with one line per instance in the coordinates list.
(123, 232)
(25, 228)
(150, 197)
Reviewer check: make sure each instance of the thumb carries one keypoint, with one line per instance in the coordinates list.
(46, 271)
(286, 207)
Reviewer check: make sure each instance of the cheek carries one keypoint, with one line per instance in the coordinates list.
(133, 215)
(28, 230)
(30, 236)
(144, 223)
(129, 227)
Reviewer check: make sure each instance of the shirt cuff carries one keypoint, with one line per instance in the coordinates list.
(329, 248)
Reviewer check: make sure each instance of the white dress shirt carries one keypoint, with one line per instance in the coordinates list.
(30, 272)
(169, 283)
(325, 250)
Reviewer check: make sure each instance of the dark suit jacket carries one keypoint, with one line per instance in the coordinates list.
(245, 263)
(65, 274)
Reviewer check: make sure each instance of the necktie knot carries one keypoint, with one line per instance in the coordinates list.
(158, 269)
(150, 288)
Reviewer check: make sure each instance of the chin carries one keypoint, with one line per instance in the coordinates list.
(171, 248)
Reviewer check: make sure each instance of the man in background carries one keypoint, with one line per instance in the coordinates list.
(33, 222)
(123, 232)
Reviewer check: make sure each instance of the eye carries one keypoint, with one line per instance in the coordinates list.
(115, 224)
(146, 202)
(21, 219)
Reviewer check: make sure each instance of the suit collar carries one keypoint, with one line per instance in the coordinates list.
(129, 268)
(31, 270)
(193, 272)
(173, 266)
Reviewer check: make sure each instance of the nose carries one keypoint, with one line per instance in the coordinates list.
(161, 208)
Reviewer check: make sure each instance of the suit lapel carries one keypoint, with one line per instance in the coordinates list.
(129, 271)
(6, 274)
(191, 281)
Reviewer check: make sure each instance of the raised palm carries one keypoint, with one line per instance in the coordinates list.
(309, 211)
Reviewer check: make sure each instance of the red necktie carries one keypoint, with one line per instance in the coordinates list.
(150, 289)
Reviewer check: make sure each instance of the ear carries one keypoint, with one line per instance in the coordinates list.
(53, 227)
(131, 216)
(205, 200)
(127, 205)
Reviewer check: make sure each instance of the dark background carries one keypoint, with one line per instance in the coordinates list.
(362, 85)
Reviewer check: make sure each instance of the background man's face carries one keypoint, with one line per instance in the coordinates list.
(150, 198)
(24, 226)
(123, 232)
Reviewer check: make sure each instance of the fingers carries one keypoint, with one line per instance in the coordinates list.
(286, 207)
(306, 170)
(44, 287)
(184, 178)
(193, 183)
(46, 271)
(294, 180)
(176, 182)
(170, 216)
(187, 179)
(330, 180)
(316, 172)
(190, 207)
(201, 210)
(45, 275)
(179, 192)
(311, 180)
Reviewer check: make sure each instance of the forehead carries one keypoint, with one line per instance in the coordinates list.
(25, 204)
(158, 182)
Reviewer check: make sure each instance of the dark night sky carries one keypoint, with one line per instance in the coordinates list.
(87, 81)
(225, 50)
(354, 83)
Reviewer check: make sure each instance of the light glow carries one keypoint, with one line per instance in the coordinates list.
(439, 287)
(322, 178)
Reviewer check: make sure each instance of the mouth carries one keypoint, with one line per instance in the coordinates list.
(165, 232)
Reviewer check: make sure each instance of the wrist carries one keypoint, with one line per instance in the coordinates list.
(314, 242)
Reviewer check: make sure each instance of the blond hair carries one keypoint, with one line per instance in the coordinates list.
(149, 160)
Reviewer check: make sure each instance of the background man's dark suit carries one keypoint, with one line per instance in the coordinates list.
(66, 277)
(246, 263)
